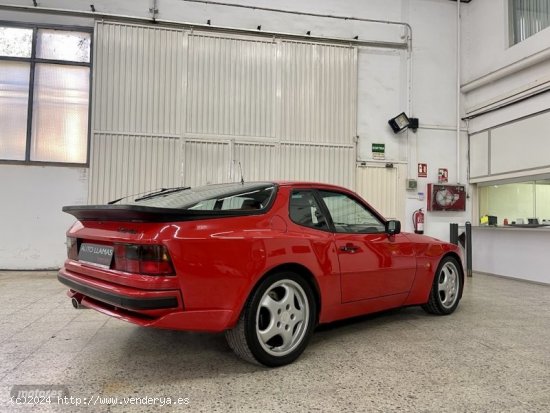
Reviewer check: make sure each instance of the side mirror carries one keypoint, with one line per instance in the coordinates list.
(393, 227)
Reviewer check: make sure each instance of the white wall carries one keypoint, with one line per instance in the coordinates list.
(383, 90)
(486, 51)
(436, 148)
(32, 226)
(517, 253)
(493, 73)
(486, 39)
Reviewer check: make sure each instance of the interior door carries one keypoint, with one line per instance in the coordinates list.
(372, 263)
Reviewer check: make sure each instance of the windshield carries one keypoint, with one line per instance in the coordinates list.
(235, 196)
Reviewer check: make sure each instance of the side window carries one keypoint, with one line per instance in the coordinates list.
(349, 215)
(304, 210)
(242, 203)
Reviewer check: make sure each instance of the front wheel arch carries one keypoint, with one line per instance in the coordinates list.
(460, 268)
(448, 279)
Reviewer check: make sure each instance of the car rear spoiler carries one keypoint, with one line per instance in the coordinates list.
(139, 213)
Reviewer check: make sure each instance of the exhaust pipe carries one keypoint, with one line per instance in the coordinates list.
(76, 304)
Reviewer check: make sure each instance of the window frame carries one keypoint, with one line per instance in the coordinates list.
(353, 197)
(326, 212)
(214, 213)
(33, 60)
(322, 207)
(255, 211)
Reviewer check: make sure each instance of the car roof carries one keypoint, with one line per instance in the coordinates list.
(282, 183)
(310, 185)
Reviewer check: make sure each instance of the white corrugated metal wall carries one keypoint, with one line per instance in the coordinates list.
(175, 107)
(139, 81)
(232, 86)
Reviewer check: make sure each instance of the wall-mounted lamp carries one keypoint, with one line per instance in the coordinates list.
(402, 122)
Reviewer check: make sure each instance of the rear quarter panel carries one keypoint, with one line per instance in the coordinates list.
(220, 261)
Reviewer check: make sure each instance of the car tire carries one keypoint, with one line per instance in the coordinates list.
(276, 322)
(446, 287)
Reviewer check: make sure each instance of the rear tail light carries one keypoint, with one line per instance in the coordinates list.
(72, 248)
(143, 259)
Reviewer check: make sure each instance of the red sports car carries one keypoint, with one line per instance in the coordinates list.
(265, 262)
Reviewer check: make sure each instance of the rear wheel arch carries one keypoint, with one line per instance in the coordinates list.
(296, 268)
(303, 272)
(277, 320)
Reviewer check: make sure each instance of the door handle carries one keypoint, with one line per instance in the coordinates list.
(349, 247)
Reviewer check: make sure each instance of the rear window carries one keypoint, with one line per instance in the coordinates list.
(222, 197)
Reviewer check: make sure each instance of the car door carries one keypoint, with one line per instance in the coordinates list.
(372, 263)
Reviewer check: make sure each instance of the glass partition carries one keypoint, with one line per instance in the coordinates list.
(519, 203)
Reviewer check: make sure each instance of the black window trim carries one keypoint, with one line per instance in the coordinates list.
(322, 207)
(260, 211)
(258, 186)
(382, 220)
(32, 60)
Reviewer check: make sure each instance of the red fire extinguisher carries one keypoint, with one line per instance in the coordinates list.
(418, 221)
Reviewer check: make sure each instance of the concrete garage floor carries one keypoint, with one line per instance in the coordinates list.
(493, 354)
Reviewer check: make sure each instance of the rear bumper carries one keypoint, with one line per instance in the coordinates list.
(148, 308)
(127, 301)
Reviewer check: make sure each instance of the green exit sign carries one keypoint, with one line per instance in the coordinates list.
(379, 147)
(378, 150)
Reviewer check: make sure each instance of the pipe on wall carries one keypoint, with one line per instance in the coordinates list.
(458, 91)
(136, 19)
(301, 13)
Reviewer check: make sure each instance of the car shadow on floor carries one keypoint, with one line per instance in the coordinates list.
(371, 322)
(123, 350)
(205, 355)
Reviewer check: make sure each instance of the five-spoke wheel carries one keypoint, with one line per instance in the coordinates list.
(277, 321)
(446, 287)
(282, 317)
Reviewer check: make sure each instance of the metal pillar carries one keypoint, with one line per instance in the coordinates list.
(453, 239)
(469, 249)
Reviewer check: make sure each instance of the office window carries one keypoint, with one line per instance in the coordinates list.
(526, 202)
(44, 94)
(527, 17)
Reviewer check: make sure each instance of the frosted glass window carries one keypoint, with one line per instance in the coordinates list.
(60, 113)
(63, 45)
(528, 17)
(14, 99)
(46, 120)
(15, 42)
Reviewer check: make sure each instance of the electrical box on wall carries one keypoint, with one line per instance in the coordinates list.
(446, 197)
(412, 184)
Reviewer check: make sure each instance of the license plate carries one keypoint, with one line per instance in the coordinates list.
(96, 254)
